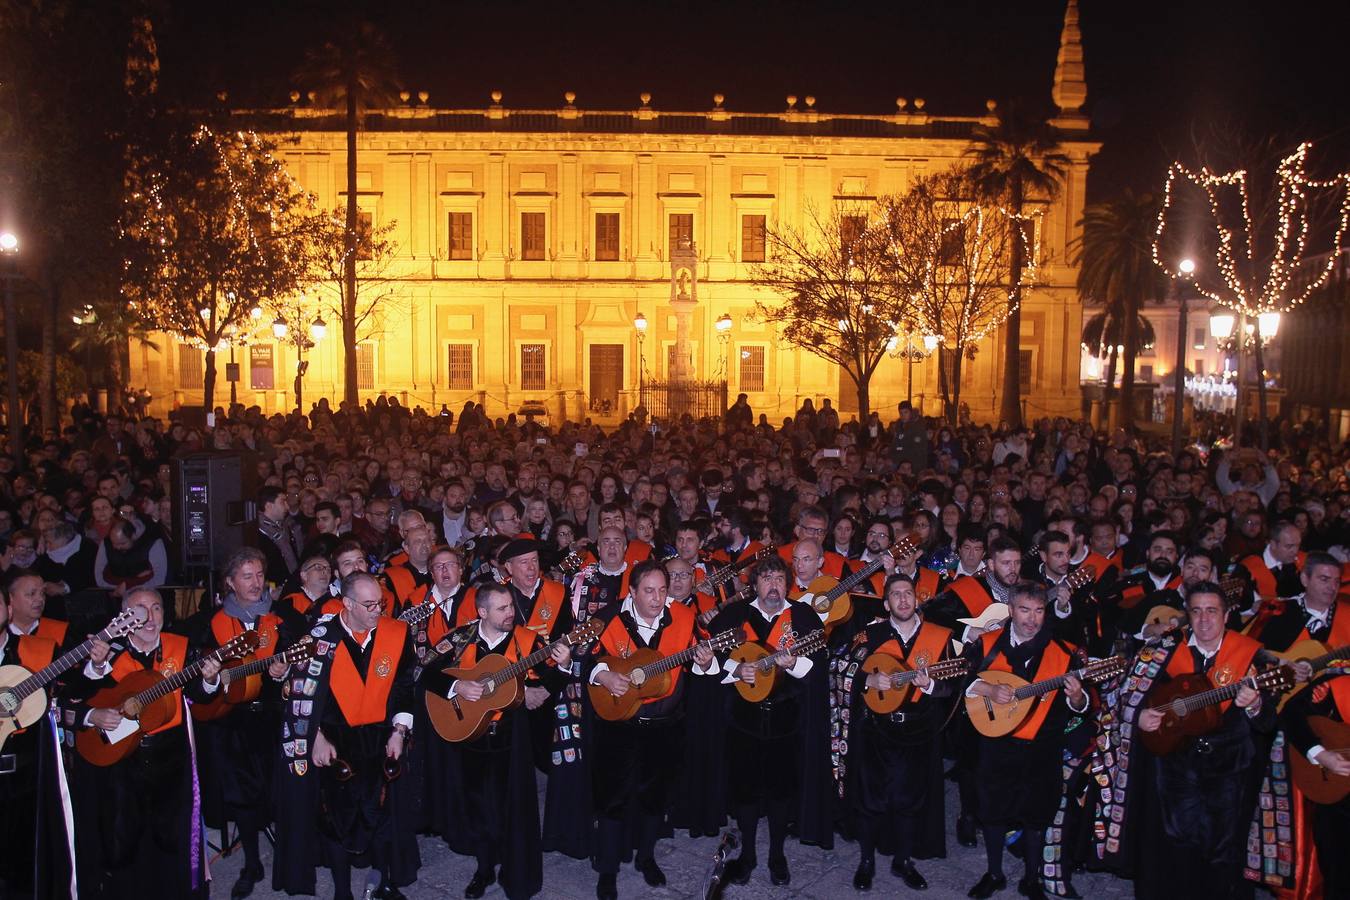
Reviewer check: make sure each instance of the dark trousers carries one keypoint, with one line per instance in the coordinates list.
(893, 786)
(635, 763)
(1331, 835)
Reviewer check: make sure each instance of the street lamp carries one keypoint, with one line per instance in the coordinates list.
(911, 353)
(9, 250)
(640, 325)
(723, 326)
(280, 328)
(1187, 268)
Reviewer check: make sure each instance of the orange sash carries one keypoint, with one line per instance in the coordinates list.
(225, 628)
(781, 624)
(52, 629)
(1054, 662)
(546, 607)
(833, 565)
(929, 645)
(1232, 662)
(974, 595)
(1263, 578)
(35, 652)
(1340, 626)
(366, 702)
(521, 641)
(677, 636)
(404, 584)
(172, 657)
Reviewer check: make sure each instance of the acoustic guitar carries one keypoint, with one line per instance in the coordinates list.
(1190, 706)
(459, 719)
(1316, 783)
(241, 679)
(902, 677)
(766, 663)
(649, 675)
(22, 698)
(720, 576)
(146, 697)
(994, 719)
(1315, 653)
(996, 614)
(829, 596)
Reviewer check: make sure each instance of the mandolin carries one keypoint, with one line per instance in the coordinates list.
(828, 595)
(459, 719)
(147, 698)
(1190, 705)
(886, 702)
(1316, 783)
(994, 719)
(241, 680)
(22, 698)
(766, 663)
(718, 577)
(649, 675)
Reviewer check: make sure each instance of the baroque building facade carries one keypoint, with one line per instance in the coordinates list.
(528, 241)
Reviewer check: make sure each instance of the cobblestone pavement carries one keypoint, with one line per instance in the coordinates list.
(687, 862)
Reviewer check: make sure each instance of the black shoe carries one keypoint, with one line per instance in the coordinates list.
(905, 871)
(1031, 887)
(607, 887)
(965, 831)
(738, 870)
(478, 885)
(988, 886)
(778, 871)
(651, 872)
(248, 880)
(387, 891)
(1070, 892)
(862, 879)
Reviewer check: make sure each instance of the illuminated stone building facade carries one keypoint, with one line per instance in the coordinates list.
(529, 240)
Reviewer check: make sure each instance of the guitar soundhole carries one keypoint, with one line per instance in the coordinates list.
(9, 702)
(637, 677)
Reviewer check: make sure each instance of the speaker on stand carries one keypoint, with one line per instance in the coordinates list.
(213, 513)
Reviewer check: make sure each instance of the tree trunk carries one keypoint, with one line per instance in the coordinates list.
(864, 400)
(209, 383)
(956, 385)
(115, 378)
(1010, 410)
(944, 385)
(1130, 339)
(1262, 417)
(350, 391)
(47, 377)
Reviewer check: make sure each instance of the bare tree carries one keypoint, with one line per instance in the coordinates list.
(947, 255)
(376, 298)
(834, 291)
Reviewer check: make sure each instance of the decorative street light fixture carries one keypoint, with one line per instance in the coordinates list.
(9, 252)
(911, 353)
(723, 326)
(640, 325)
(303, 339)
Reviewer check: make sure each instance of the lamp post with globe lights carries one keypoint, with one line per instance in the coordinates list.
(911, 353)
(723, 327)
(302, 339)
(1187, 268)
(9, 253)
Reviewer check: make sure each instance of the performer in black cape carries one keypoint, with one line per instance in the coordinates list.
(348, 718)
(485, 802)
(894, 762)
(765, 739)
(138, 821)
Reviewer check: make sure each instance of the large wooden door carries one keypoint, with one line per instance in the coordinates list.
(606, 377)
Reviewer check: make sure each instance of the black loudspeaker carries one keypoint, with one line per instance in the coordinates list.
(213, 505)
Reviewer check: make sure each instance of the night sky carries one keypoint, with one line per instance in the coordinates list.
(1160, 74)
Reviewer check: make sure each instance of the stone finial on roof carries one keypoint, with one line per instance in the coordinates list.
(1070, 89)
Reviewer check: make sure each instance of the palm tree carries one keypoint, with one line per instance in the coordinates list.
(1115, 259)
(1014, 161)
(351, 73)
(108, 328)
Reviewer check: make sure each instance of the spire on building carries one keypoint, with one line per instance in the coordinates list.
(1070, 90)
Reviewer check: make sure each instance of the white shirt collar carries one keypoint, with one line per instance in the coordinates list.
(1207, 654)
(913, 627)
(765, 613)
(1270, 561)
(369, 634)
(1320, 617)
(442, 600)
(629, 607)
(1159, 583)
(600, 567)
(491, 643)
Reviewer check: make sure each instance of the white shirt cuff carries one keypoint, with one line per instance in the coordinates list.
(211, 686)
(599, 667)
(800, 667)
(94, 674)
(1311, 755)
(404, 719)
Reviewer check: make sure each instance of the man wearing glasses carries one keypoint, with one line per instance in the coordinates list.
(811, 524)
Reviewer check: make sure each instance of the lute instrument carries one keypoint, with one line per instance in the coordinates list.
(23, 698)
(829, 596)
(146, 697)
(1315, 654)
(649, 675)
(241, 679)
(1316, 783)
(994, 719)
(459, 719)
(1190, 705)
(766, 663)
(902, 678)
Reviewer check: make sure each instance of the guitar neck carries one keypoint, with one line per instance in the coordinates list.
(59, 666)
(806, 647)
(1214, 695)
(255, 667)
(847, 584)
(1326, 659)
(1054, 684)
(936, 672)
(521, 666)
(674, 660)
(178, 679)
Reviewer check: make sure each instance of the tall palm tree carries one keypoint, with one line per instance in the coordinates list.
(351, 73)
(1014, 161)
(1115, 260)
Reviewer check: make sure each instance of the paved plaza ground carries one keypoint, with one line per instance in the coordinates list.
(687, 862)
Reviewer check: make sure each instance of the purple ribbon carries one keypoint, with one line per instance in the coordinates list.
(196, 835)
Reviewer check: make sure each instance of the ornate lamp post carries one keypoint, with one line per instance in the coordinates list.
(723, 326)
(9, 251)
(911, 353)
(303, 341)
(640, 326)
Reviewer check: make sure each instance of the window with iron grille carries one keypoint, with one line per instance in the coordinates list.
(1024, 371)
(459, 367)
(606, 236)
(532, 235)
(752, 238)
(533, 367)
(365, 366)
(190, 370)
(953, 246)
(365, 227)
(461, 235)
(752, 368)
(681, 230)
